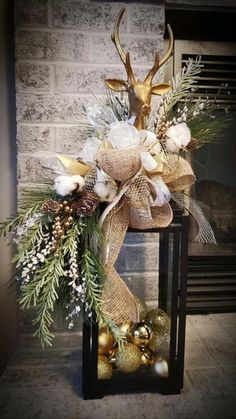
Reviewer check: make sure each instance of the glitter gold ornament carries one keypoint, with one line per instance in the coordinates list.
(140, 334)
(124, 329)
(159, 342)
(142, 308)
(104, 369)
(128, 358)
(105, 340)
(160, 366)
(158, 319)
(146, 356)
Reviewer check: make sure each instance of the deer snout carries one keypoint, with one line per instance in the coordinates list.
(145, 110)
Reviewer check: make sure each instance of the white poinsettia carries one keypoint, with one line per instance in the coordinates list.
(65, 184)
(178, 136)
(123, 135)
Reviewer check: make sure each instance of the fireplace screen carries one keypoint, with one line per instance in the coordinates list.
(215, 191)
(214, 164)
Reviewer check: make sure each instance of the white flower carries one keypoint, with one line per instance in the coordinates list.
(178, 136)
(123, 135)
(65, 184)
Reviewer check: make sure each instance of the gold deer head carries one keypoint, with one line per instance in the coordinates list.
(139, 92)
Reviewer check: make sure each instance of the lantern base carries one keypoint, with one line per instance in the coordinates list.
(164, 379)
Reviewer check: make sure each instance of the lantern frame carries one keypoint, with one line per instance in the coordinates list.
(172, 272)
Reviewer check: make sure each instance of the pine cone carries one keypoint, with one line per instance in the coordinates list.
(86, 205)
(51, 206)
(192, 144)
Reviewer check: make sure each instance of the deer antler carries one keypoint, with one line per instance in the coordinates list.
(158, 63)
(116, 38)
(125, 57)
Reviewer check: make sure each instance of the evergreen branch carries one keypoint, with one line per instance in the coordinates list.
(182, 84)
(30, 203)
(44, 289)
(93, 273)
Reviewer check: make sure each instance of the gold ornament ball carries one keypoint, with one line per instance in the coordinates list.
(146, 356)
(128, 358)
(159, 342)
(105, 340)
(104, 369)
(140, 333)
(112, 356)
(124, 329)
(160, 366)
(158, 319)
(142, 308)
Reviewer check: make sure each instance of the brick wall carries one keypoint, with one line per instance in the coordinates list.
(63, 48)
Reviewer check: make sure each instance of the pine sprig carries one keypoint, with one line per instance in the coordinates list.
(182, 85)
(93, 273)
(29, 204)
(42, 292)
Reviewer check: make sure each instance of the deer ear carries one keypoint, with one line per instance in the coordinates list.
(117, 85)
(160, 88)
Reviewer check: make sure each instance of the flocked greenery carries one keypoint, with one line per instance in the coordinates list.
(48, 284)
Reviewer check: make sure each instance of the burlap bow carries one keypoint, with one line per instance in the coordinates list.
(133, 208)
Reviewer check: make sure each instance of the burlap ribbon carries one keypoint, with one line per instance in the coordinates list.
(133, 207)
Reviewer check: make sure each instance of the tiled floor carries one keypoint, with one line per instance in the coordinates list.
(46, 385)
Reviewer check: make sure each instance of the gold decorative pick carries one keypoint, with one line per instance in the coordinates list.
(73, 166)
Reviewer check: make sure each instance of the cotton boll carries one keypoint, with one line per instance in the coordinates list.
(163, 194)
(64, 185)
(184, 134)
(79, 182)
(173, 144)
(123, 135)
(178, 136)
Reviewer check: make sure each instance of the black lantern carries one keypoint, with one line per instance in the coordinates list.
(166, 373)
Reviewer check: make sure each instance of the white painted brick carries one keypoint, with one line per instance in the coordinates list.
(70, 139)
(31, 168)
(32, 77)
(143, 285)
(142, 237)
(43, 45)
(48, 108)
(95, 16)
(75, 79)
(138, 258)
(31, 12)
(34, 138)
(142, 49)
(147, 18)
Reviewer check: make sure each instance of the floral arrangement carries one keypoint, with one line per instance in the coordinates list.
(68, 236)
